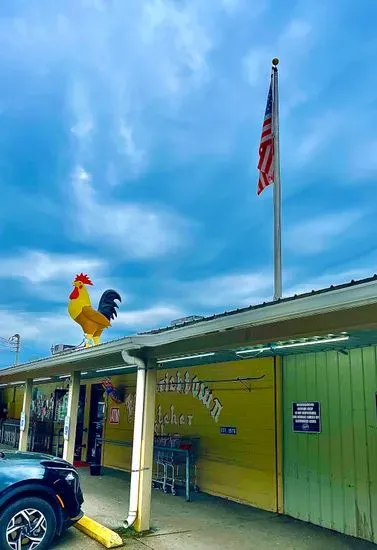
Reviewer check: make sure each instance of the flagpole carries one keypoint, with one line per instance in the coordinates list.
(276, 185)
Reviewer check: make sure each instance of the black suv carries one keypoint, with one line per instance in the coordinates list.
(40, 496)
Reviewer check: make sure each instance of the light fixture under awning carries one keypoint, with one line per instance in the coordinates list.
(296, 344)
(187, 357)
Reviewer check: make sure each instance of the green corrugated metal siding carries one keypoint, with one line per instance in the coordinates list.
(330, 478)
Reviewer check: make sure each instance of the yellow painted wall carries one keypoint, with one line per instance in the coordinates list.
(115, 456)
(13, 400)
(241, 467)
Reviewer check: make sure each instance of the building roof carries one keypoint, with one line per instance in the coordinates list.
(195, 321)
(346, 300)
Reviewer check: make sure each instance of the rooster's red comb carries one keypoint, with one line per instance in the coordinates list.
(83, 279)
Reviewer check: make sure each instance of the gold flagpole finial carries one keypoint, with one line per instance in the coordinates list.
(275, 61)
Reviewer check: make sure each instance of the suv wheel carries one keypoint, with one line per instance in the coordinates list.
(27, 524)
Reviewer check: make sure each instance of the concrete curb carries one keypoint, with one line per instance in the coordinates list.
(98, 532)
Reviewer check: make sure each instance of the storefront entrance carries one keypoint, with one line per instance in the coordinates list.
(80, 426)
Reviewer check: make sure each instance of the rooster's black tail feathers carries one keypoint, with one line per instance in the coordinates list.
(107, 305)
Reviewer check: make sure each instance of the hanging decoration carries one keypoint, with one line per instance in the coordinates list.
(93, 322)
(114, 393)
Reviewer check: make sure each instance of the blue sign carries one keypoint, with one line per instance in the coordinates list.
(306, 417)
(228, 430)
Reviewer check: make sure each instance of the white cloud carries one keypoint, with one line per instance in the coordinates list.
(128, 147)
(321, 130)
(48, 276)
(124, 63)
(84, 123)
(231, 290)
(167, 46)
(36, 266)
(236, 7)
(41, 330)
(292, 43)
(317, 234)
(131, 230)
(231, 5)
(297, 29)
(319, 282)
(363, 159)
(254, 65)
(81, 174)
(185, 30)
(148, 318)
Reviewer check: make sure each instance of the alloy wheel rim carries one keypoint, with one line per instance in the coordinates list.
(26, 530)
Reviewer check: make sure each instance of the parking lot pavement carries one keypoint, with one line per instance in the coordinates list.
(75, 540)
(206, 523)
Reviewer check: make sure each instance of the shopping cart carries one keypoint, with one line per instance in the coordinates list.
(175, 462)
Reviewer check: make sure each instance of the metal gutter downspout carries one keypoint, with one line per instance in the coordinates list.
(137, 438)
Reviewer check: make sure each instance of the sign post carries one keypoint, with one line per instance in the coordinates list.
(66, 428)
(22, 421)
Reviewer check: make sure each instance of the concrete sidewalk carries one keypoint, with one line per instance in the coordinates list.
(206, 523)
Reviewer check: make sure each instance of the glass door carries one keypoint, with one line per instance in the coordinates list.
(96, 420)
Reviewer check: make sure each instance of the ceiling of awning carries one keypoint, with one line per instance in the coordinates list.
(83, 364)
(355, 339)
(113, 365)
(354, 320)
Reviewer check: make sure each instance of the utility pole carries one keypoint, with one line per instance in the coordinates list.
(16, 339)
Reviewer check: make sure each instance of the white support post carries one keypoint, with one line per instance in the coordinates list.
(70, 422)
(25, 415)
(146, 456)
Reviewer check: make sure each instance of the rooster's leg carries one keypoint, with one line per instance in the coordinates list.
(88, 340)
(96, 340)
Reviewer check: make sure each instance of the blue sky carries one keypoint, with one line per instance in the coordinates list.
(129, 134)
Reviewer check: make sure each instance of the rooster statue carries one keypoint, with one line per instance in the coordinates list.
(80, 309)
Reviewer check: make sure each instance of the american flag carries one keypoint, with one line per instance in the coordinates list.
(266, 149)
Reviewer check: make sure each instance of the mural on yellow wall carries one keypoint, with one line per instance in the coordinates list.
(184, 384)
(130, 406)
(93, 322)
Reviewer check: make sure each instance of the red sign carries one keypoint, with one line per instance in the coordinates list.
(114, 416)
